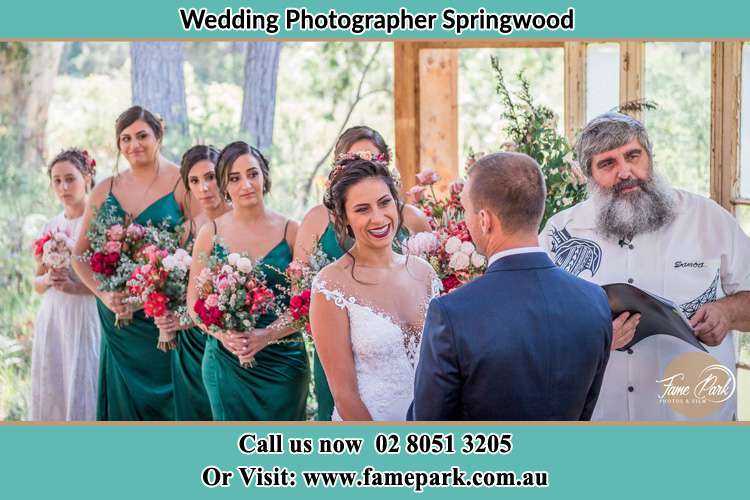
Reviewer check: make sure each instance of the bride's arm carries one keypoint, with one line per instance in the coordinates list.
(330, 330)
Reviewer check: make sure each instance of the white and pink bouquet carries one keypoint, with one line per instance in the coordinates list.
(54, 249)
(448, 248)
(160, 285)
(232, 296)
(117, 245)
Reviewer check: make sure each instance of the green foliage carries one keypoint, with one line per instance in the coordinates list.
(19, 201)
(532, 129)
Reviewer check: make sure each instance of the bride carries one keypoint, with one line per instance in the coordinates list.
(368, 307)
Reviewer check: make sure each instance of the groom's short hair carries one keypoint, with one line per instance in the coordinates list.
(511, 186)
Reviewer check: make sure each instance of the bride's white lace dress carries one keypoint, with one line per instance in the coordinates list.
(385, 352)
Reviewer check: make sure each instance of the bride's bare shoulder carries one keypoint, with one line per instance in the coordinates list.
(419, 268)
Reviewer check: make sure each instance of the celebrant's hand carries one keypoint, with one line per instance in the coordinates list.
(623, 329)
(250, 343)
(115, 302)
(711, 323)
(168, 323)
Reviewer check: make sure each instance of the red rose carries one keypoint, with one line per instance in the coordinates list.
(296, 302)
(450, 282)
(156, 305)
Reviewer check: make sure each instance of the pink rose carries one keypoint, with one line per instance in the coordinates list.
(427, 176)
(416, 193)
(212, 300)
(115, 232)
(457, 186)
(112, 246)
(136, 232)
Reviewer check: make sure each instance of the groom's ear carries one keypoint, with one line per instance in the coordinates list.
(485, 220)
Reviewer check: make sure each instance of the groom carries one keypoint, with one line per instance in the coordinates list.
(526, 341)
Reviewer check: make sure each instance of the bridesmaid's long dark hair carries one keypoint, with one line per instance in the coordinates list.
(229, 155)
(189, 159)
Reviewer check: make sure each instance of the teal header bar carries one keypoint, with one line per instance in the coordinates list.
(172, 461)
(468, 19)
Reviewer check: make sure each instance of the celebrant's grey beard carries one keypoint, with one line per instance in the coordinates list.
(625, 215)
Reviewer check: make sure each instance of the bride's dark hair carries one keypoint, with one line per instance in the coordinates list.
(345, 174)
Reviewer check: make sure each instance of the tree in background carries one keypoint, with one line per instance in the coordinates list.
(259, 97)
(27, 76)
(158, 81)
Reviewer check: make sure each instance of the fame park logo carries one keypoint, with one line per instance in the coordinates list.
(696, 385)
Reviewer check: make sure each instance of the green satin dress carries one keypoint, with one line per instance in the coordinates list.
(330, 246)
(276, 387)
(190, 396)
(135, 378)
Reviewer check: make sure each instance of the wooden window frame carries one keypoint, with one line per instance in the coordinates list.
(726, 64)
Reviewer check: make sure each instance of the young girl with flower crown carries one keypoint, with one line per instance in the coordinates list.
(65, 352)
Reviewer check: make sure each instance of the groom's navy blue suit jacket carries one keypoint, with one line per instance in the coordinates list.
(526, 341)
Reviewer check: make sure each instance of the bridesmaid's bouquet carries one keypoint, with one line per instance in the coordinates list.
(300, 277)
(117, 246)
(54, 249)
(448, 248)
(233, 295)
(160, 285)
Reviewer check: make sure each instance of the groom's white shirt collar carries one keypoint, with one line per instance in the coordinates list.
(513, 251)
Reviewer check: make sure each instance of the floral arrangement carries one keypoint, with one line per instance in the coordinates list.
(117, 248)
(532, 130)
(448, 248)
(233, 295)
(160, 284)
(54, 249)
(300, 277)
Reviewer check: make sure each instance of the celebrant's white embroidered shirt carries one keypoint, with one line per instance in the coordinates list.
(700, 257)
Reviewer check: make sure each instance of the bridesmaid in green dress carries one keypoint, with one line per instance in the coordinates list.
(276, 387)
(317, 226)
(197, 170)
(135, 378)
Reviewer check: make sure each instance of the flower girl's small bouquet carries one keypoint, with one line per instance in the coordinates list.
(233, 295)
(160, 284)
(117, 246)
(54, 249)
(300, 277)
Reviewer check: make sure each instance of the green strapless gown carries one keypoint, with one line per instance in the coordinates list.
(330, 246)
(276, 387)
(135, 378)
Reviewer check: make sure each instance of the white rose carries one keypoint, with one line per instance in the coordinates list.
(453, 245)
(459, 261)
(477, 260)
(467, 247)
(227, 269)
(233, 258)
(244, 265)
(55, 260)
(181, 254)
(169, 262)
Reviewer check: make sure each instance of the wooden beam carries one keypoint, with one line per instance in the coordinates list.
(489, 44)
(438, 113)
(726, 69)
(406, 109)
(575, 88)
(632, 73)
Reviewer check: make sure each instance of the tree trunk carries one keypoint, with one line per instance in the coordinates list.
(27, 77)
(158, 81)
(259, 100)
